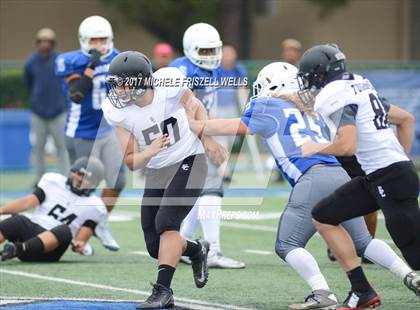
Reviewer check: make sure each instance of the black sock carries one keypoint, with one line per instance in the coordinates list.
(192, 249)
(33, 245)
(358, 280)
(165, 275)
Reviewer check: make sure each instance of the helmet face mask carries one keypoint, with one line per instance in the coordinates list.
(85, 176)
(130, 75)
(320, 65)
(121, 95)
(202, 46)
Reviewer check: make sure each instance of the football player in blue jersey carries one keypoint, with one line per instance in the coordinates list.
(278, 115)
(201, 65)
(83, 74)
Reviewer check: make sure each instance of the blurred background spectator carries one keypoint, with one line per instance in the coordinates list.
(291, 51)
(232, 98)
(163, 54)
(47, 102)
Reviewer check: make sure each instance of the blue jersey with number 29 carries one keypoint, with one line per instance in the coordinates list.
(285, 129)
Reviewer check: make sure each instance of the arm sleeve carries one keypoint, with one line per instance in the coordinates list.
(39, 193)
(27, 76)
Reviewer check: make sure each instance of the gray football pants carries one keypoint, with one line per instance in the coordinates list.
(295, 225)
(107, 150)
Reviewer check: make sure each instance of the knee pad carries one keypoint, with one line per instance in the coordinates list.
(165, 224)
(153, 249)
(62, 233)
(282, 249)
(321, 212)
(403, 226)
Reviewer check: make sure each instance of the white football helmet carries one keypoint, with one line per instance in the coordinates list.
(202, 36)
(95, 27)
(278, 78)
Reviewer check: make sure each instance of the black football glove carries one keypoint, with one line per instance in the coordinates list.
(95, 58)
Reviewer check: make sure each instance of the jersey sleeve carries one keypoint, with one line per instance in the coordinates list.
(63, 66)
(386, 104)
(346, 116)
(113, 116)
(172, 80)
(49, 179)
(98, 211)
(258, 122)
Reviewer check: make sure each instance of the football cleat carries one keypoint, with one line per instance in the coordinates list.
(161, 298)
(360, 301)
(10, 251)
(103, 233)
(199, 264)
(218, 260)
(412, 281)
(319, 299)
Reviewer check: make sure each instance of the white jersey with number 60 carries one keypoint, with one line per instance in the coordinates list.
(377, 145)
(165, 114)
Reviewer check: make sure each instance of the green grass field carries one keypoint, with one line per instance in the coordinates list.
(265, 283)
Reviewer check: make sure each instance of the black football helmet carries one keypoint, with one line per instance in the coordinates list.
(320, 65)
(130, 74)
(91, 169)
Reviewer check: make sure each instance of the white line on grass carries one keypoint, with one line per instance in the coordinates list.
(142, 253)
(198, 304)
(258, 252)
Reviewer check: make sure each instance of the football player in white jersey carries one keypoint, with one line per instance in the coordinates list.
(351, 107)
(66, 212)
(149, 114)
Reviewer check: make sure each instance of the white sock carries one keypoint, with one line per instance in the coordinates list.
(306, 266)
(209, 213)
(190, 224)
(381, 254)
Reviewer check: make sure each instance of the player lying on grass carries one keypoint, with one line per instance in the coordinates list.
(153, 131)
(277, 114)
(66, 212)
(351, 107)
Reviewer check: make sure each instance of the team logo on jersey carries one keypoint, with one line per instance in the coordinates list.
(185, 167)
(152, 119)
(381, 191)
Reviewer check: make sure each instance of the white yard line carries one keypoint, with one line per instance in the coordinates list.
(142, 253)
(197, 304)
(258, 252)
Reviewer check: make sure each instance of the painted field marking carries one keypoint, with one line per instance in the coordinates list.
(142, 253)
(191, 302)
(258, 252)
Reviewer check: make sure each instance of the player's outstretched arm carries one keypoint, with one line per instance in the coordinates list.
(405, 123)
(20, 205)
(344, 145)
(135, 158)
(222, 127)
